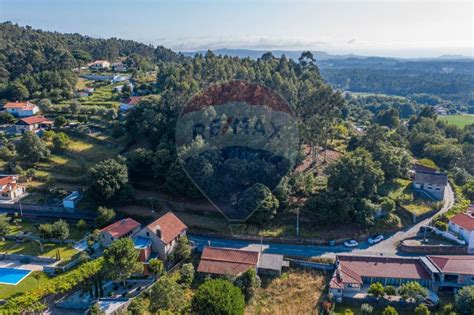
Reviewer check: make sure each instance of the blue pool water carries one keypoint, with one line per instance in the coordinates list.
(12, 276)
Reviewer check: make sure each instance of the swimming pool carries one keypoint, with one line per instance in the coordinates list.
(12, 276)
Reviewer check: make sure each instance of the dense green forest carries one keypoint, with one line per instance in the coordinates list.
(38, 64)
(452, 81)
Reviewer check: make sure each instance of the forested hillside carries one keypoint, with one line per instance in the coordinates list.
(37, 64)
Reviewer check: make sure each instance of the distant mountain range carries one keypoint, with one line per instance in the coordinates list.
(318, 55)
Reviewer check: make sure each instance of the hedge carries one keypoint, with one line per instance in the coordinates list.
(31, 300)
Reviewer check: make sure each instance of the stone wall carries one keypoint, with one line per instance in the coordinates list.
(433, 249)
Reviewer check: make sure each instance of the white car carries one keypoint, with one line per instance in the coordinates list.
(374, 239)
(351, 243)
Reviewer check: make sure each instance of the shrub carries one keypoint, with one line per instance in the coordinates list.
(442, 226)
(366, 308)
(389, 310)
(218, 297)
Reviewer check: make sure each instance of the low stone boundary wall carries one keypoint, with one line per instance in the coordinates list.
(433, 249)
(35, 259)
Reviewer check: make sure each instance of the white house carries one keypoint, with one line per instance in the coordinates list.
(119, 67)
(160, 236)
(99, 65)
(432, 184)
(129, 103)
(34, 124)
(21, 109)
(463, 224)
(123, 228)
(10, 189)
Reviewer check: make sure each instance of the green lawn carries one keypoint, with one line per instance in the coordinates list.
(458, 120)
(33, 249)
(402, 192)
(34, 280)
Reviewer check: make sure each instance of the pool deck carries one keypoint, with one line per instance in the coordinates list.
(19, 265)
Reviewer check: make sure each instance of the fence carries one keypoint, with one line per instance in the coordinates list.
(28, 258)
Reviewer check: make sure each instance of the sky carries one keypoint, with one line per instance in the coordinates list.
(399, 28)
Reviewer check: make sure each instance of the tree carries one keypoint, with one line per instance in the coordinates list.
(104, 216)
(464, 300)
(60, 141)
(156, 267)
(218, 297)
(376, 289)
(330, 207)
(389, 118)
(121, 260)
(388, 205)
(81, 225)
(95, 309)
(468, 190)
(186, 274)
(108, 177)
(6, 118)
(45, 230)
(248, 282)
(259, 200)
(366, 309)
(389, 310)
(183, 249)
(136, 307)
(31, 147)
(4, 224)
(60, 230)
(390, 290)
(422, 309)
(356, 173)
(166, 294)
(60, 121)
(412, 291)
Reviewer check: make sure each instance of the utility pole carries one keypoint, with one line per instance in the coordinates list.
(21, 209)
(298, 222)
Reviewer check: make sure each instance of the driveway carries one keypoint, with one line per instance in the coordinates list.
(386, 247)
(390, 244)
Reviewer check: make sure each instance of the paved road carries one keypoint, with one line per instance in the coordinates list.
(386, 247)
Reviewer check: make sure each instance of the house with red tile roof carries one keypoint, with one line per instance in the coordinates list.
(463, 224)
(160, 236)
(129, 103)
(233, 262)
(10, 189)
(99, 65)
(119, 229)
(452, 272)
(33, 124)
(21, 109)
(354, 273)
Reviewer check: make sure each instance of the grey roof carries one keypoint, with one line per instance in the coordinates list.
(271, 261)
(431, 178)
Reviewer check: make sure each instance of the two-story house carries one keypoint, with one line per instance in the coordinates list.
(10, 189)
(99, 65)
(21, 109)
(117, 230)
(432, 184)
(160, 236)
(463, 224)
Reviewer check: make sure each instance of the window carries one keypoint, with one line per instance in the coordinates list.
(111, 238)
(147, 233)
(5, 195)
(352, 285)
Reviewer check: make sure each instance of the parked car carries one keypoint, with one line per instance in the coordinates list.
(351, 243)
(374, 239)
(426, 229)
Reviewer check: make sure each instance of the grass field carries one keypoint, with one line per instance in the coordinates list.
(33, 249)
(34, 280)
(295, 292)
(458, 120)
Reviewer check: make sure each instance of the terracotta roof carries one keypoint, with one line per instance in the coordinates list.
(7, 180)
(431, 178)
(462, 264)
(134, 100)
(34, 120)
(122, 227)
(169, 225)
(353, 268)
(464, 220)
(227, 261)
(22, 105)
